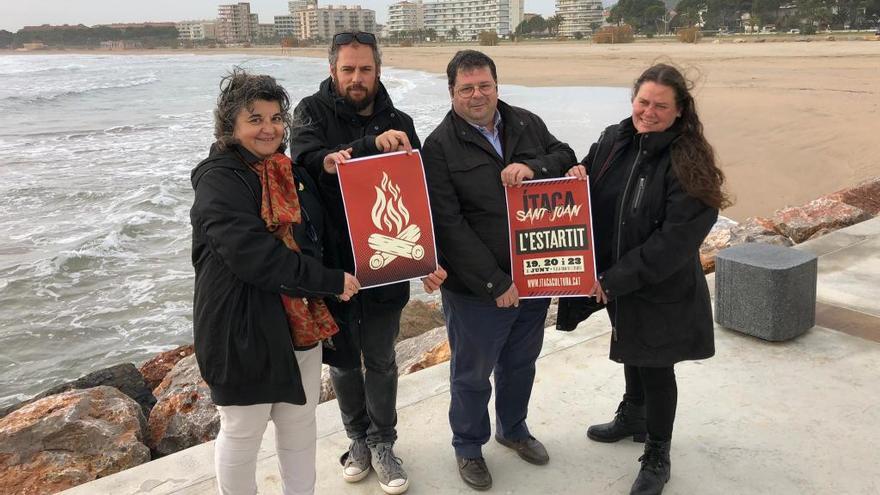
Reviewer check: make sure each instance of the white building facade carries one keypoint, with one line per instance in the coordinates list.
(321, 23)
(236, 23)
(405, 16)
(578, 15)
(470, 17)
(284, 26)
(196, 30)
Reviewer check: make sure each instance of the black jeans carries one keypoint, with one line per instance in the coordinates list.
(368, 398)
(657, 390)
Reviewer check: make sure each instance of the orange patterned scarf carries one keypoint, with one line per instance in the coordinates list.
(309, 319)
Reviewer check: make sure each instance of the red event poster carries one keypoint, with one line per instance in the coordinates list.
(551, 238)
(389, 218)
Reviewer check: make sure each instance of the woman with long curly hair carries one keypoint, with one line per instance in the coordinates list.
(655, 191)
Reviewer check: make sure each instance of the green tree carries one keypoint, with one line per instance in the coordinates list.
(6, 39)
(640, 14)
(690, 12)
(553, 23)
(765, 12)
(537, 25)
(452, 33)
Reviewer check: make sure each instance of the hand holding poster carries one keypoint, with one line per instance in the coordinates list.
(551, 238)
(389, 218)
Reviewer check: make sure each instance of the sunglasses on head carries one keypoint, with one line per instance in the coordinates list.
(361, 37)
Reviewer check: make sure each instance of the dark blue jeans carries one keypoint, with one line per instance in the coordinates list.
(368, 399)
(483, 338)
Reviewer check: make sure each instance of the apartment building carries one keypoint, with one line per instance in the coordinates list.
(236, 23)
(577, 15)
(265, 31)
(470, 17)
(296, 5)
(321, 23)
(284, 25)
(405, 16)
(196, 30)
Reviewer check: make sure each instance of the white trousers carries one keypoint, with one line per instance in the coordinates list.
(242, 428)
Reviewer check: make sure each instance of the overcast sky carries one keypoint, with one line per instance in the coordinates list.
(14, 14)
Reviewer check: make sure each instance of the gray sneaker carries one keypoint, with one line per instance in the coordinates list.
(392, 477)
(356, 461)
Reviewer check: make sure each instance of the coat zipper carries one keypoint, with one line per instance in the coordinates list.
(639, 191)
(620, 228)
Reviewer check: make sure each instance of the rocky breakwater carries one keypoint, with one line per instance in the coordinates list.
(116, 418)
(796, 224)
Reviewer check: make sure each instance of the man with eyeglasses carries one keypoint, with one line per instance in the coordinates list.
(482, 146)
(351, 115)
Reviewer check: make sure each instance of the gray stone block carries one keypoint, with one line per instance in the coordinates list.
(765, 291)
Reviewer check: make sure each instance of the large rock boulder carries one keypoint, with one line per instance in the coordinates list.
(70, 438)
(418, 317)
(124, 377)
(865, 196)
(423, 351)
(155, 369)
(758, 229)
(819, 216)
(184, 415)
(717, 239)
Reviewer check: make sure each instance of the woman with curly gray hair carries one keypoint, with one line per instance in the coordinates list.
(258, 313)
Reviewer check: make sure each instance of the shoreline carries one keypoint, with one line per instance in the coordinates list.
(789, 121)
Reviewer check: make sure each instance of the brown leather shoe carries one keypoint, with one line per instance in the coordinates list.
(529, 449)
(475, 473)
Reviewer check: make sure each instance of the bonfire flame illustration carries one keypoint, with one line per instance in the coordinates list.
(391, 216)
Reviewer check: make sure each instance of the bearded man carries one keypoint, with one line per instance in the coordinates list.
(351, 115)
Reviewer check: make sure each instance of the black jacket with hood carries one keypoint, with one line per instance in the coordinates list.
(660, 308)
(324, 123)
(242, 339)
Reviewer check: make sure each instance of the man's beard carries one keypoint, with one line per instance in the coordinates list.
(363, 103)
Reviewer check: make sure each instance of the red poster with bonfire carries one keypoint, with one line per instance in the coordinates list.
(551, 238)
(389, 218)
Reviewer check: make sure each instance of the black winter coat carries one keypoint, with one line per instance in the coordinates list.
(660, 308)
(325, 123)
(242, 339)
(467, 198)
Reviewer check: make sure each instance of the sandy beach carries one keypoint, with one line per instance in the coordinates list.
(790, 121)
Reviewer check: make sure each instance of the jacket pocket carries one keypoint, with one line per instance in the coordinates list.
(662, 324)
(469, 165)
(677, 287)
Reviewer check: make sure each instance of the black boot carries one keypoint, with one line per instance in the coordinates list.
(628, 420)
(655, 471)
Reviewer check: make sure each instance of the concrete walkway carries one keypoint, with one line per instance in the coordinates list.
(799, 417)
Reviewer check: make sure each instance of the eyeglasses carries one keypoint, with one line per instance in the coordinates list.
(467, 91)
(361, 37)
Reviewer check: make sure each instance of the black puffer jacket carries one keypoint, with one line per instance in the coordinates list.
(467, 196)
(242, 339)
(660, 308)
(324, 123)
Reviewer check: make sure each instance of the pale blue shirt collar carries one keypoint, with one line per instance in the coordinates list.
(494, 137)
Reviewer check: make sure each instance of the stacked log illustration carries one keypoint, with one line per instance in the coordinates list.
(392, 215)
